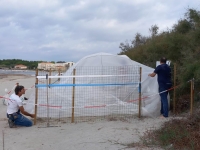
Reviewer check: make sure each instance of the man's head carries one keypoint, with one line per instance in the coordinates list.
(19, 90)
(163, 60)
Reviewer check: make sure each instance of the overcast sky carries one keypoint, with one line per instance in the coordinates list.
(67, 30)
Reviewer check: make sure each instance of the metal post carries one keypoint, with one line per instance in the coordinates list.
(140, 92)
(3, 139)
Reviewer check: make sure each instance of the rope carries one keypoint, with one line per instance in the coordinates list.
(86, 76)
(104, 105)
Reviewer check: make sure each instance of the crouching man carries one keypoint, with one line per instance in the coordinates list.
(15, 110)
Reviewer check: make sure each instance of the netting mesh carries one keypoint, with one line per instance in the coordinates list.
(103, 85)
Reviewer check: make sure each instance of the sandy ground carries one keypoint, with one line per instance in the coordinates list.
(101, 135)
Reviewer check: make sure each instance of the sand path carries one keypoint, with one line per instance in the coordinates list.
(104, 135)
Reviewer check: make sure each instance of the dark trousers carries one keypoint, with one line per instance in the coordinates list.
(164, 101)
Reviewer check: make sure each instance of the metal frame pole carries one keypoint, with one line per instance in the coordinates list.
(139, 114)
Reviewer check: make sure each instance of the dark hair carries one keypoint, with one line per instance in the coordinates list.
(163, 60)
(18, 89)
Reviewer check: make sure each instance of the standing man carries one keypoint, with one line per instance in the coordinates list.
(164, 82)
(15, 108)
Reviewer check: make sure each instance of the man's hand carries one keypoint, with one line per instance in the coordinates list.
(32, 115)
(152, 74)
(26, 113)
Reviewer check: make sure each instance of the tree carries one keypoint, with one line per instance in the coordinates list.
(125, 46)
(60, 62)
(193, 16)
(138, 40)
(154, 30)
(182, 27)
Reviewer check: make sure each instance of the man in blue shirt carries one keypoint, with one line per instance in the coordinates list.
(164, 82)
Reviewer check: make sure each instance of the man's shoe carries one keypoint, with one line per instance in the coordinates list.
(11, 123)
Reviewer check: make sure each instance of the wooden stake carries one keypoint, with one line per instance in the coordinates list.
(50, 75)
(192, 97)
(36, 96)
(47, 101)
(59, 74)
(73, 92)
(174, 95)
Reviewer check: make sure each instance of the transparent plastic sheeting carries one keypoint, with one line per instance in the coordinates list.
(102, 99)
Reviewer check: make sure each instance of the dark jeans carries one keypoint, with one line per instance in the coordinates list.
(164, 101)
(20, 120)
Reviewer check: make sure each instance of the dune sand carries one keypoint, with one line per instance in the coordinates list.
(101, 135)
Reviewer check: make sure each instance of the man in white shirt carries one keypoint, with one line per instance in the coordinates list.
(15, 108)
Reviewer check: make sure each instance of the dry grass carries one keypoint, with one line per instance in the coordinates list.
(178, 134)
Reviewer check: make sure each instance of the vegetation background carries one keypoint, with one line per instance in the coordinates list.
(180, 45)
